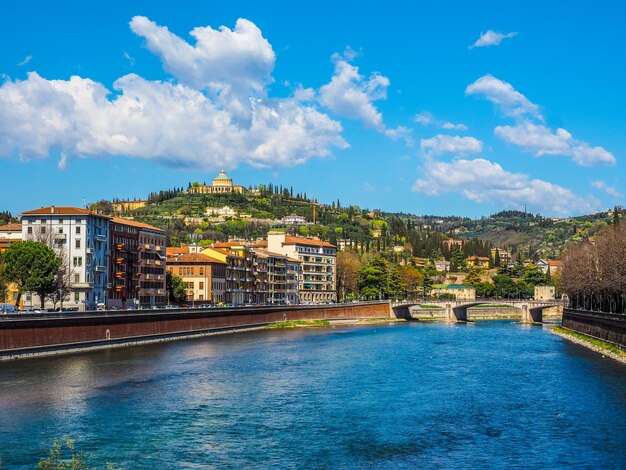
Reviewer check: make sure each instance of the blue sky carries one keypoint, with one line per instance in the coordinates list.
(460, 108)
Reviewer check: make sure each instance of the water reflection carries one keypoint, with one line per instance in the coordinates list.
(396, 396)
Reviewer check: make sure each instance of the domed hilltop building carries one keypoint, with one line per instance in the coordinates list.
(222, 183)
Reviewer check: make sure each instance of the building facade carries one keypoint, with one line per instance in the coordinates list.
(204, 277)
(317, 276)
(222, 184)
(81, 239)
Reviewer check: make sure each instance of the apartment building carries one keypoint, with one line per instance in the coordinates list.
(239, 271)
(276, 277)
(137, 271)
(9, 233)
(317, 275)
(81, 238)
(204, 276)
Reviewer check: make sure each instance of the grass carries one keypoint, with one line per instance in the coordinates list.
(296, 323)
(493, 306)
(430, 306)
(593, 341)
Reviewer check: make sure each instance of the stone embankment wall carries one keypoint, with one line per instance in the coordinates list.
(428, 314)
(26, 334)
(494, 313)
(605, 326)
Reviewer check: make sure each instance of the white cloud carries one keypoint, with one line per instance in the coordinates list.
(510, 101)
(454, 127)
(441, 144)
(224, 60)
(543, 141)
(610, 190)
(182, 123)
(528, 133)
(26, 60)
(351, 95)
(427, 119)
(486, 182)
(130, 58)
(491, 38)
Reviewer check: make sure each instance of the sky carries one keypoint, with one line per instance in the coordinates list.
(448, 108)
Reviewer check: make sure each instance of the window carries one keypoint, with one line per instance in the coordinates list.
(77, 230)
(42, 229)
(78, 243)
(78, 261)
(201, 271)
(29, 230)
(76, 277)
(201, 285)
(76, 296)
(60, 230)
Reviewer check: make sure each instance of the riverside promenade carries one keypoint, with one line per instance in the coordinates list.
(29, 335)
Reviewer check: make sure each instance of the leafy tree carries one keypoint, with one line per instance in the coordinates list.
(175, 288)
(33, 267)
(534, 276)
(472, 278)
(379, 279)
(348, 265)
(427, 282)
(411, 279)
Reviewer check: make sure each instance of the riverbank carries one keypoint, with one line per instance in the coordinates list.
(26, 336)
(599, 346)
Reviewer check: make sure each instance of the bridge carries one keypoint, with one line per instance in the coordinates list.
(456, 311)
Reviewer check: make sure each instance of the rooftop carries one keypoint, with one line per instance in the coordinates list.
(11, 228)
(134, 223)
(193, 258)
(63, 210)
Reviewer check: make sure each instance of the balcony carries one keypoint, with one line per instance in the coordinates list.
(101, 238)
(100, 269)
(88, 250)
(119, 260)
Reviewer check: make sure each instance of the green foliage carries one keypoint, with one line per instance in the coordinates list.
(379, 279)
(472, 278)
(175, 288)
(293, 324)
(533, 276)
(33, 266)
(68, 458)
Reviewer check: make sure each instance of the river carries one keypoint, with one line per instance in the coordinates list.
(486, 394)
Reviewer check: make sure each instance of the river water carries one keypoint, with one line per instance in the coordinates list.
(486, 394)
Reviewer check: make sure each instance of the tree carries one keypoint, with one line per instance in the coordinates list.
(175, 288)
(472, 278)
(379, 279)
(411, 279)
(427, 282)
(534, 276)
(33, 267)
(348, 265)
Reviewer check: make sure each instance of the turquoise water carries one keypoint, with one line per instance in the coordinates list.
(487, 394)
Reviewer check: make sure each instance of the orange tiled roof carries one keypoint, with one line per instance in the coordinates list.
(11, 228)
(193, 258)
(306, 241)
(134, 223)
(63, 210)
(552, 262)
(228, 244)
(176, 250)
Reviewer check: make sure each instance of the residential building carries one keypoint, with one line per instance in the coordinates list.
(442, 266)
(459, 291)
(478, 262)
(9, 233)
(81, 238)
(222, 184)
(317, 278)
(452, 244)
(152, 265)
(293, 220)
(239, 271)
(276, 277)
(545, 293)
(503, 256)
(204, 276)
(125, 206)
(553, 266)
(221, 212)
(137, 270)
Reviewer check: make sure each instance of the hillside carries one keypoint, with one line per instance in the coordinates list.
(205, 218)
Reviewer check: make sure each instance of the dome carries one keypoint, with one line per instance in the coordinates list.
(222, 179)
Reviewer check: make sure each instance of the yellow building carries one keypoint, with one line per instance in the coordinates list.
(124, 206)
(222, 184)
(479, 262)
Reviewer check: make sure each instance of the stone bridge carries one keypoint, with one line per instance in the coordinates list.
(456, 311)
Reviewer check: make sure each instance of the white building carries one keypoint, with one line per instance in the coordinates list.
(317, 278)
(81, 238)
(293, 220)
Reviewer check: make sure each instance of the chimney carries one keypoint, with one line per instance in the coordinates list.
(52, 209)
